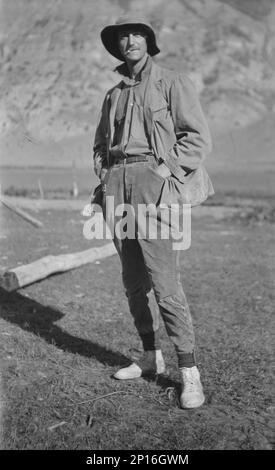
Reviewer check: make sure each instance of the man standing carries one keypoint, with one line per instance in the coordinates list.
(149, 144)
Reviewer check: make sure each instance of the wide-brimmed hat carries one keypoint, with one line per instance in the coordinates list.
(109, 35)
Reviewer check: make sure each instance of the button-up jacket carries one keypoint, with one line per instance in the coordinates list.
(130, 136)
(176, 126)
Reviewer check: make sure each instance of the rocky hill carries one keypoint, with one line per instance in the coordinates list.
(55, 71)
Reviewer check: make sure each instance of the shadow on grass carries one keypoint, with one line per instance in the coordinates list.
(39, 319)
(163, 381)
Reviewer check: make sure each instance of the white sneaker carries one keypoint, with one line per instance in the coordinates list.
(152, 362)
(192, 392)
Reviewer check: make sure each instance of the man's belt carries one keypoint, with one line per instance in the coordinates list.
(133, 159)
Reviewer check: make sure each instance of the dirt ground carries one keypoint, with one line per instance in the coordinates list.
(64, 337)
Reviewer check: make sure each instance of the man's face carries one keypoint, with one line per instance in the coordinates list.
(132, 44)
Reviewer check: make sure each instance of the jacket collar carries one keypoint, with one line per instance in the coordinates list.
(144, 72)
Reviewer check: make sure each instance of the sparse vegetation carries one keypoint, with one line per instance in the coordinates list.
(63, 338)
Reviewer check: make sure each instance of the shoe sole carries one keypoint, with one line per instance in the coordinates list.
(143, 374)
(194, 406)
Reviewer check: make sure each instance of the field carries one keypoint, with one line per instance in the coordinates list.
(64, 337)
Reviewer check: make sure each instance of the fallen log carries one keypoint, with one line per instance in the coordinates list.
(29, 218)
(29, 273)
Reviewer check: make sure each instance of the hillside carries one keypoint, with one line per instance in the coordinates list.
(55, 71)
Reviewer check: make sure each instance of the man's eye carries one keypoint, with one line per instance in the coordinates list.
(137, 34)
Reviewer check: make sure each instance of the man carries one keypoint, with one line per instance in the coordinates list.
(149, 144)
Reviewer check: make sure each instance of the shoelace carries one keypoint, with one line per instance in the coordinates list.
(190, 386)
(190, 383)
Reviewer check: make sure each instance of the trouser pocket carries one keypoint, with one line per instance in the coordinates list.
(107, 176)
(148, 186)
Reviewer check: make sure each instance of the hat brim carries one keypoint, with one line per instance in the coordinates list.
(109, 37)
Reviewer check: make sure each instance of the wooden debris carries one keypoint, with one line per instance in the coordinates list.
(29, 273)
(40, 187)
(51, 428)
(29, 218)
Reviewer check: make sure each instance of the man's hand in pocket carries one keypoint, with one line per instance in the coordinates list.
(163, 170)
(103, 174)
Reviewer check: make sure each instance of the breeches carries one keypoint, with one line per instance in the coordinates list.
(150, 265)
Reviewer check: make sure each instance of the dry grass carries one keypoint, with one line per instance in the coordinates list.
(63, 338)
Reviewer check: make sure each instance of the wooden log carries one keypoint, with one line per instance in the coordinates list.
(27, 274)
(29, 218)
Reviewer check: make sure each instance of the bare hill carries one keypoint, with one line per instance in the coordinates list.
(55, 71)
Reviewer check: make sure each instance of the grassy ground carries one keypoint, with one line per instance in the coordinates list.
(64, 337)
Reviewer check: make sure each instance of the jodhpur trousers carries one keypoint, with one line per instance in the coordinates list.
(150, 266)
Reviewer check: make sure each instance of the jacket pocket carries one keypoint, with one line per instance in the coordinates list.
(170, 193)
(197, 187)
(160, 113)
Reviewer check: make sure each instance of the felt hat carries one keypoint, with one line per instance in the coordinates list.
(109, 35)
